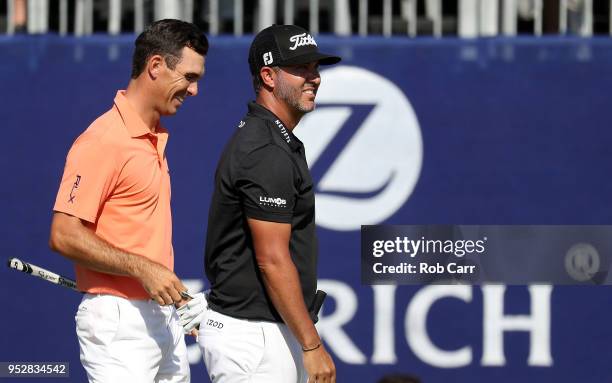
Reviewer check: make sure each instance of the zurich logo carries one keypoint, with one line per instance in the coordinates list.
(364, 145)
(582, 262)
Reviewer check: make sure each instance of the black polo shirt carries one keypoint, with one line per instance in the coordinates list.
(263, 175)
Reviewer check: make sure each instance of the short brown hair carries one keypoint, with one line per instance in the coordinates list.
(167, 38)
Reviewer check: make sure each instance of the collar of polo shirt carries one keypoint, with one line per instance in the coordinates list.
(260, 111)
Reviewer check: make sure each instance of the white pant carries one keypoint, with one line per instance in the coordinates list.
(132, 341)
(240, 350)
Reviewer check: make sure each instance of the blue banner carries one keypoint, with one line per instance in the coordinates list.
(406, 131)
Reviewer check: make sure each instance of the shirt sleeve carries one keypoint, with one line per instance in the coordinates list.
(265, 182)
(89, 177)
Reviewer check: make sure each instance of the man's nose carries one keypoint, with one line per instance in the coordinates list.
(314, 77)
(192, 89)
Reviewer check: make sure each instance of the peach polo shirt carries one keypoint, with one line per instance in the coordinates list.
(117, 179)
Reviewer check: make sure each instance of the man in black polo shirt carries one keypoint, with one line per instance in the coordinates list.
(261, 250)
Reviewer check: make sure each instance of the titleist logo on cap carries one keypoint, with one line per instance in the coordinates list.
(301, 40)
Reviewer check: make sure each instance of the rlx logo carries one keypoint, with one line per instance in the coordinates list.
(363, 145)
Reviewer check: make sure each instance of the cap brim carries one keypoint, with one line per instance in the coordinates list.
(322, 58)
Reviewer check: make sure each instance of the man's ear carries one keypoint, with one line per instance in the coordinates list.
(268, 76)
(155, 64)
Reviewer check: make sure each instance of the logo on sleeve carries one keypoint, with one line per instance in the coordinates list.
(74, 187)
(272, 201)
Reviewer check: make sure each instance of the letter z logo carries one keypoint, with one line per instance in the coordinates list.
(364, 148)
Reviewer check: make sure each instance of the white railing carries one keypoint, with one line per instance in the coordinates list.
(475, 17)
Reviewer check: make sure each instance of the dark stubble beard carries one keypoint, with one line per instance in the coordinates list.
(292, 96)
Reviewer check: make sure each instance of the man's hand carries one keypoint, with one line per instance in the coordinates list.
(280, 276)
(73, 238)
(192, 313)
(319, 366)
(161, 284)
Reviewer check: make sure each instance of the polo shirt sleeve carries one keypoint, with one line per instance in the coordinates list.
(89, 177)
(265, 183)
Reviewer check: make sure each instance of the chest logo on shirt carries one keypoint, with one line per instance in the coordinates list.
(272, 201)
(74, 187)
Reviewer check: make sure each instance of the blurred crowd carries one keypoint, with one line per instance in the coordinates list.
(464, 18)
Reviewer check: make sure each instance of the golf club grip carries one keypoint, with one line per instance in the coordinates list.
(28, 268)
(316, 305)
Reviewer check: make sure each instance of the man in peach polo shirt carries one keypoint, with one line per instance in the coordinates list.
(112, 217)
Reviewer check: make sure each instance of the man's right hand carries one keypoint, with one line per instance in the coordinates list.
(74, 239)
(319, 366)
(161, 284)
